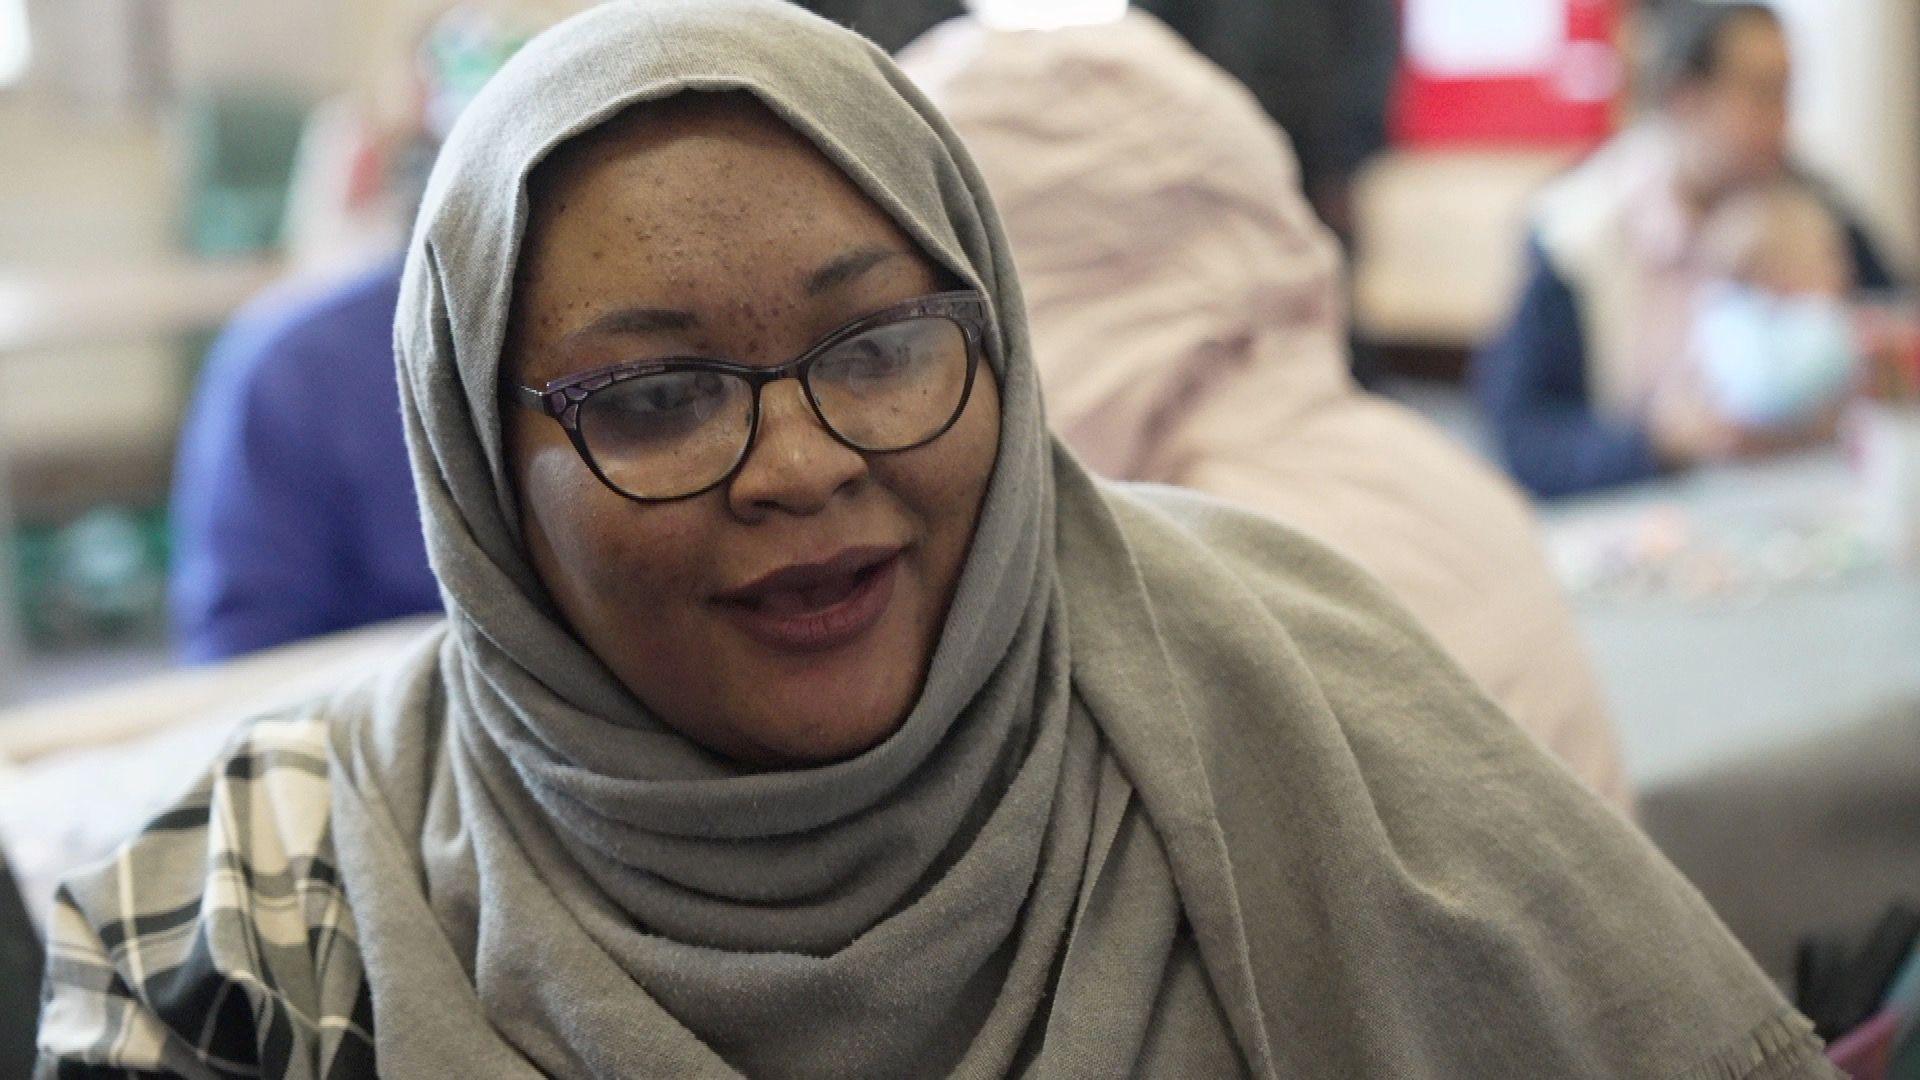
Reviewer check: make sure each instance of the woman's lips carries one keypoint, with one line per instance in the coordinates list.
(816, 607)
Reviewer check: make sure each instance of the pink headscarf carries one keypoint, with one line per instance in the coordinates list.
(1190, 329)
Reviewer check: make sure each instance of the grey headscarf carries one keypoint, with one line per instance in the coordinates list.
(1182, 794)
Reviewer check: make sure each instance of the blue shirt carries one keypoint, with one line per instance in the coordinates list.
(293, 506)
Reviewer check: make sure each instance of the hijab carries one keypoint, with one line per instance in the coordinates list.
(1157, 811)
(1190, 328)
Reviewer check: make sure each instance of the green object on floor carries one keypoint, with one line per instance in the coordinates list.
(99, 578)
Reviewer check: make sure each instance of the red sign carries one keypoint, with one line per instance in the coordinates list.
(1508, 72)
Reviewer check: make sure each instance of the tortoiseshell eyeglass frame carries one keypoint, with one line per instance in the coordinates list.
(561, 399)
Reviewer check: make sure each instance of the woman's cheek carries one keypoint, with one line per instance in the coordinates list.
(592, 546)
(650, 554)
(552, 480)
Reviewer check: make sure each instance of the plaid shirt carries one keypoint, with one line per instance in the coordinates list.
(217, 943)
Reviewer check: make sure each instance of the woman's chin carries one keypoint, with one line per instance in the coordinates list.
(814, 711)
(821, 732)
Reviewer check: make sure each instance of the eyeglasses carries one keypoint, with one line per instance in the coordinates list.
(661, 430)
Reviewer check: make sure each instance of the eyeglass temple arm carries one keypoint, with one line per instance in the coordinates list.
(523, 396)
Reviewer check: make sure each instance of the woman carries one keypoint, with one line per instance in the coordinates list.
(1189, 329)
(747, 752)
(1589, 383)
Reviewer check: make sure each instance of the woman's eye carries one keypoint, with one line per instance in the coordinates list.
(867, 359)
(652, 408)
(872, 362)
(665, 393)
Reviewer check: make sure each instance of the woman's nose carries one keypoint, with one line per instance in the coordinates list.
(795, 465)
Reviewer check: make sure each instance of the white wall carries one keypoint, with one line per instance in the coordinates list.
(83, 189)
(298, 45)
(1857, 108)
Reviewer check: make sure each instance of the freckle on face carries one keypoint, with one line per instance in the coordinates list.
(713, 207)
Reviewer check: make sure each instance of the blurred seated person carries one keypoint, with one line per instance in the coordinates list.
(294, 513)
(1189, 330)
(1579, 386)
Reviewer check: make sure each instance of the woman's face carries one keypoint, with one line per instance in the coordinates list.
(1735, 120)
(788, 616)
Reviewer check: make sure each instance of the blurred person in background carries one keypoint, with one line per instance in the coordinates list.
(1189, 329)
(1593, 382)
(889, 24)
(1324, 71)
(293, 510)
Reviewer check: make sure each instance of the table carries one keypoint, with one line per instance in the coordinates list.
(81, 774)
(1771, 732)
(1695, 680)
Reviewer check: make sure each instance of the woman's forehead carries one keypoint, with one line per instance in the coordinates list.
(714, 218)
(702, 177)
(683, 129)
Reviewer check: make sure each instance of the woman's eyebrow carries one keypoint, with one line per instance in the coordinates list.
(638, 321)
(838, 271)
(848, 265)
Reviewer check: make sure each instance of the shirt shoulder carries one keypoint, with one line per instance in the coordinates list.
(304, 336)
(217, 941)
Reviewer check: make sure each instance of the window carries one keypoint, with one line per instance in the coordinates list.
(15, 49)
